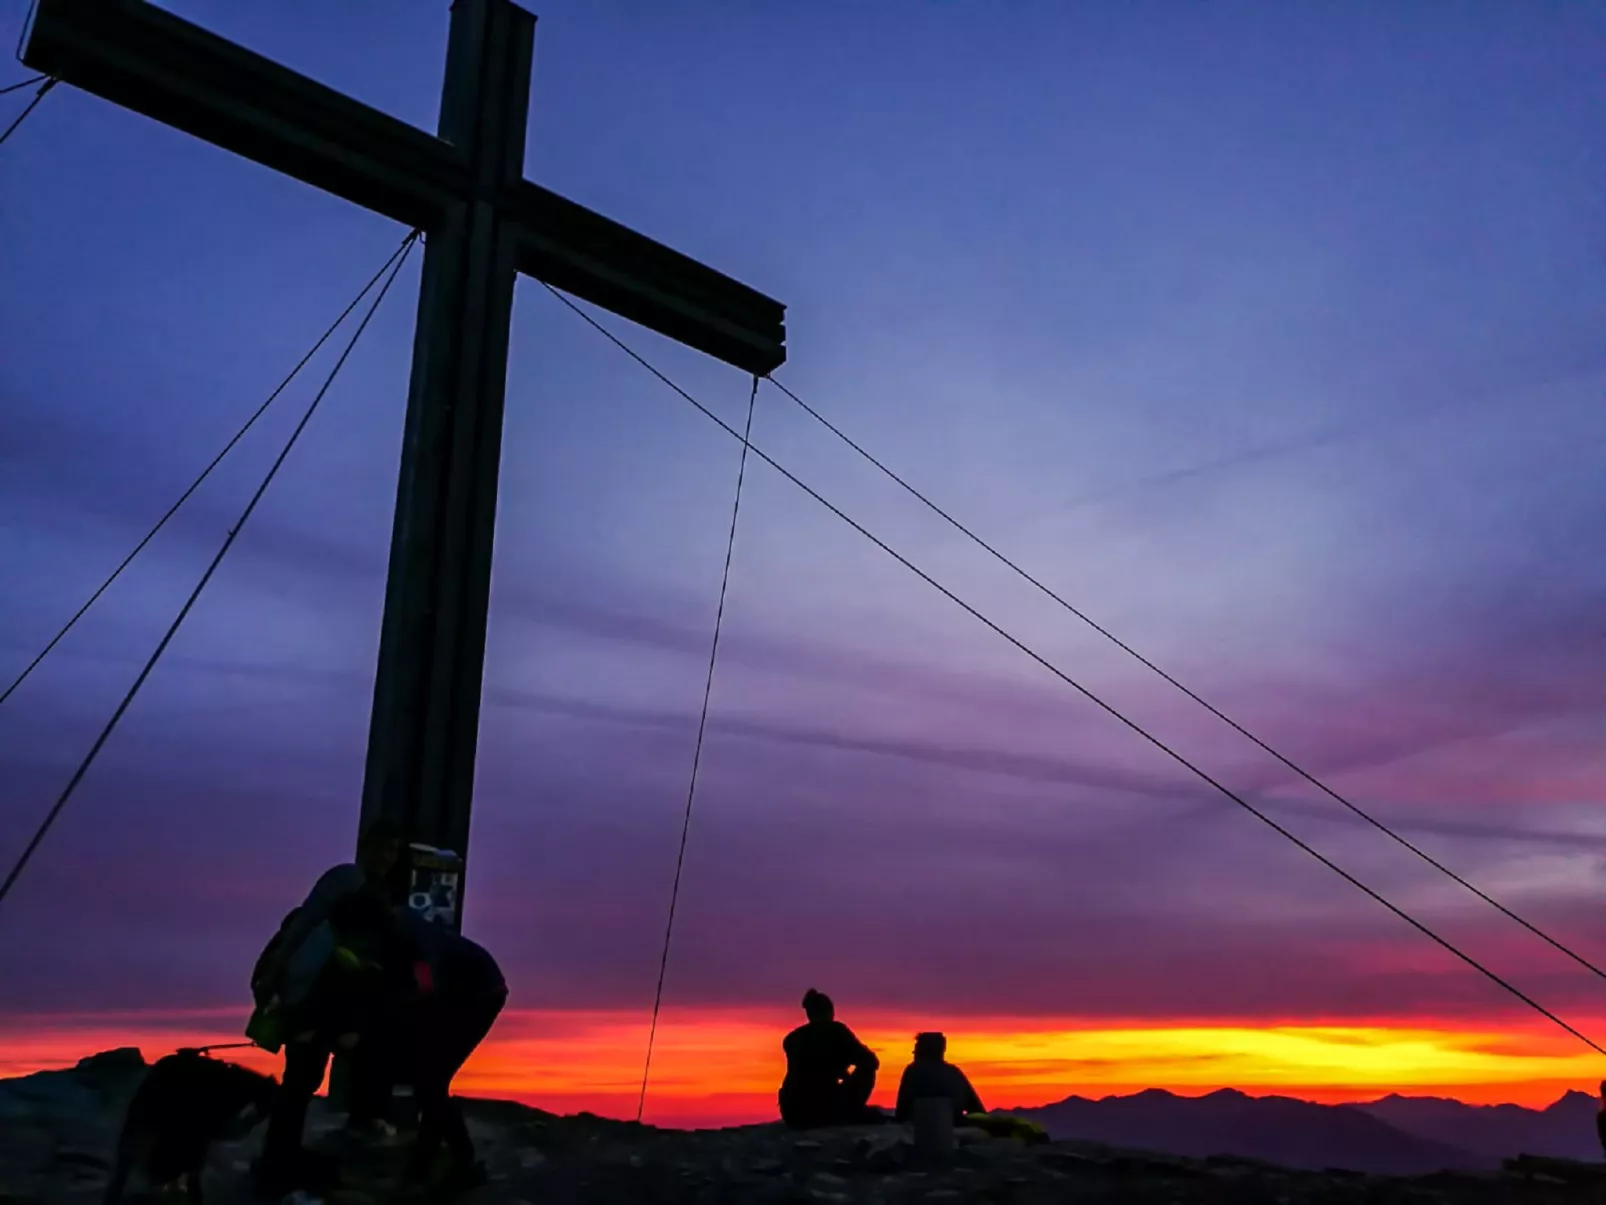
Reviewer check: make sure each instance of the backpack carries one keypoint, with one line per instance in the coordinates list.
(260, 989)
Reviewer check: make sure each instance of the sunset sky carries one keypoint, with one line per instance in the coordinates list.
(1269, 335)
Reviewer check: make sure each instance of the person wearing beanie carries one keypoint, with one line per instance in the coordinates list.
(932, 1075)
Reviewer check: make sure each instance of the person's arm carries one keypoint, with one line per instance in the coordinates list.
(862, 1055)
(972, 1101)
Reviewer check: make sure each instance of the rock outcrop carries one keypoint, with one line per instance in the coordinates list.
(57, 1129)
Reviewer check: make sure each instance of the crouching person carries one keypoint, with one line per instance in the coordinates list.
(459, 993)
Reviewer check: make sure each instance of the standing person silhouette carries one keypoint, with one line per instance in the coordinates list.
(298, 977)
(829, 1072)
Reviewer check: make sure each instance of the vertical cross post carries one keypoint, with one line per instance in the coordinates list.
(425, 725)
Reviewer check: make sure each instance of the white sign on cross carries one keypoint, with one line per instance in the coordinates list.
(485, 224)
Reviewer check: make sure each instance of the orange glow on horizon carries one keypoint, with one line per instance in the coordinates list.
(721, 1067)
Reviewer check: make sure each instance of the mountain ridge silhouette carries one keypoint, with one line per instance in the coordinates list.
(1393, 1135)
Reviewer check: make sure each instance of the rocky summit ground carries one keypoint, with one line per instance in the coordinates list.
(57, 1129)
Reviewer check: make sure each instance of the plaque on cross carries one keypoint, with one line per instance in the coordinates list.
(484, 225)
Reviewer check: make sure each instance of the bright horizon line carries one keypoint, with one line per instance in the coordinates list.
(722, 1066)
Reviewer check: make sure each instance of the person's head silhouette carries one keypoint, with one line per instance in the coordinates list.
(379, 848)
(817, 1006)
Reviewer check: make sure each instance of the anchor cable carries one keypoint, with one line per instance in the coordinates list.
(1493, 976)
(206, 472)
(1208, 706)
(44, 88)
(161, 647)
(697, 750)
(27, 83)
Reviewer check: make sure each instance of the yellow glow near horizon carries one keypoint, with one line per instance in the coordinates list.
(720, 1066)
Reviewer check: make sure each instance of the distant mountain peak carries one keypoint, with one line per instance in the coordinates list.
(1573, 1100)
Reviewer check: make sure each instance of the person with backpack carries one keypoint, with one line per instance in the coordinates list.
(312, 990)
(427, 998)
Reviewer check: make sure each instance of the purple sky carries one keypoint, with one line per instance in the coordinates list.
(1271, 338)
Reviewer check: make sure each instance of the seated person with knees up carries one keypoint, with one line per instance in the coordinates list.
(829, 1072)
(932, 1075)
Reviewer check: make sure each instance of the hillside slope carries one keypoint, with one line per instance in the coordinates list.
(57, 1128)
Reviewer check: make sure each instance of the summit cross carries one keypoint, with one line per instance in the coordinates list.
(484, 225)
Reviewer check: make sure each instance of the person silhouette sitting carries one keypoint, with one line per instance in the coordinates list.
(932, 1075)
(829, 1072)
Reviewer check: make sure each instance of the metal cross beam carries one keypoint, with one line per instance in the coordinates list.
(486, 224)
